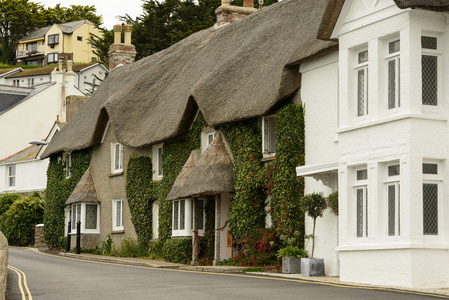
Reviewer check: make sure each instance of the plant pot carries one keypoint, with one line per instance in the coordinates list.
(291, 265)
(312, 266)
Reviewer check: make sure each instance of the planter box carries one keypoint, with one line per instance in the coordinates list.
(291, 265)
(312, 266)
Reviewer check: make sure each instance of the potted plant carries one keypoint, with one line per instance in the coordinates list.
(314, 204)
(291, 259)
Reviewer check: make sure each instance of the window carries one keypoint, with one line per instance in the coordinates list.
(207, 136)
(430, 198)
(183, 217)
(157, 152)
(68, 165)
(32, 47)
(429, 70)
(79, 38)
(91, 216)
(30, 81)
(210, 137)
(393, 75)
(16, 82)
(268, 135)
(52, 57)
(117, 158)
(11, 176)
(361, 197)
(53, 39)
(117, 215)
(159, 161)
(88, 214)
(393, 200)
(362, 83)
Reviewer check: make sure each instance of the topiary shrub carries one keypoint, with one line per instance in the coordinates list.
(332, 202)
(177, 250)
(314, 204)
(16, 222)
(6, 200)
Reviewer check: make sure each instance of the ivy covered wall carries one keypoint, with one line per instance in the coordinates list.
(59, 189)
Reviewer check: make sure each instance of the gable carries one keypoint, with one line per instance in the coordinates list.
(359, 13)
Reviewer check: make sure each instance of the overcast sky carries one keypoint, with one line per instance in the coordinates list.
(109, 9)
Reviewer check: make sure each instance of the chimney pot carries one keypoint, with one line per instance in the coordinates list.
(225, 2)
(69, 66)
(117, 33)
(128, 30)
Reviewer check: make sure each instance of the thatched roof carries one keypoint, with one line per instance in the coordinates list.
(85, 190)
(334, 8)
(212, 174)
(234, 72)
(184, 174)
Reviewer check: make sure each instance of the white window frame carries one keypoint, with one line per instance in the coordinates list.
(188, 218)
(155, 219)
(394, 58)
(78, 212)
(393, 181)
(361, 185)
(116, 158)
(117, 216)
(434, 179)
(433, 53)
(68, 165)
(11, 176)
(361, 66)
(268, 136)
(206, 135)
(158, 172)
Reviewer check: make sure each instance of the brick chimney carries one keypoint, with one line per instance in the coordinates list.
(121, 53)
(228, 13)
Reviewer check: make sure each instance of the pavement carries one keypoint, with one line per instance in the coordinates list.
(444, 293)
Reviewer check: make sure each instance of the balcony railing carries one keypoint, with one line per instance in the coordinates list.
(24, 53)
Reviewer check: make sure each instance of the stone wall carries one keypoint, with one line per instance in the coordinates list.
(39, 240)
(3, 265)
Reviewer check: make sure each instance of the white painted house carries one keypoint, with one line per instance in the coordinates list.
(377, 131)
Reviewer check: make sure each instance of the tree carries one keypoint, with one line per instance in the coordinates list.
(59, 15)
(314, 205)
(101, 44)
(17, 19)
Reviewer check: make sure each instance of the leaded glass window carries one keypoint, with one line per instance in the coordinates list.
(91, 216)
(430, 209)
(393, 75)
(429, 79)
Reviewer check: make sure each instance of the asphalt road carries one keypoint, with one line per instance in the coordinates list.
(55, 277)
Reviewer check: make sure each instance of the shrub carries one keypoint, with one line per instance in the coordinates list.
(177, 250)
(332, 202)
(259, 248)
(314, 204)
(6, 200)
(16, 222)
(292, 251)
(131, 248)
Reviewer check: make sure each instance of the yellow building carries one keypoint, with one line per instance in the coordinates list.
(68, 41)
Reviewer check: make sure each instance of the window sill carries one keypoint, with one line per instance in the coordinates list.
(269, 157)
(118, 231)
(116, 174)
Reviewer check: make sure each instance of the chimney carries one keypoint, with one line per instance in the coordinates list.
(60, 65)
(227, 13)
(121, 53)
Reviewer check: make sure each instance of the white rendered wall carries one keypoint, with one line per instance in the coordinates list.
(319, 94)
(30, 176)
(409, 136)
(33, 119)
(225, 251)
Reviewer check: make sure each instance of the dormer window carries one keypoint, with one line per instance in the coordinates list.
(207, 136)
(116, 158)
(268, 136)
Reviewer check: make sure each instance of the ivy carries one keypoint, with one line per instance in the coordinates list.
(58, 191)
(247, 210)
(287, 188)
(138, 187)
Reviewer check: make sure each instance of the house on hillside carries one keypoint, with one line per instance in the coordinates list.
(24, 172)
(176, 107)
(39, 96)
(376, 132)
(68, 41)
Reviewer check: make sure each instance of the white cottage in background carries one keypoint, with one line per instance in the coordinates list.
(377, 131)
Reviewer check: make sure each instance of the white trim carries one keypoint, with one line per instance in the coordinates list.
(268, 136)
(157, 161)
(116, 167)
(310, 170)
(115, 226)
(81, 216)
(188, 206)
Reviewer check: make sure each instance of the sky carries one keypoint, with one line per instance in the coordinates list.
(109, 9)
